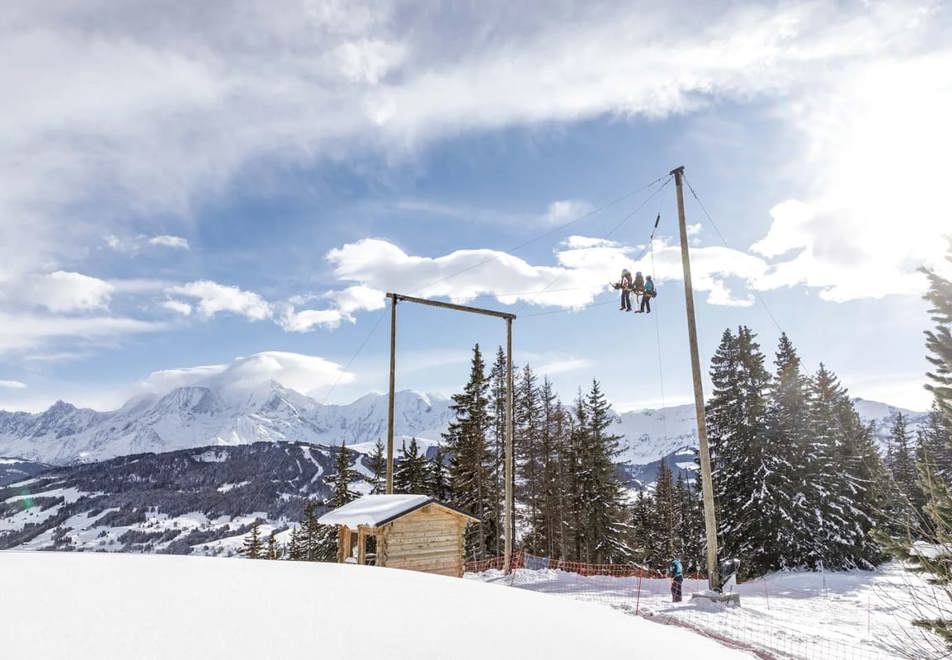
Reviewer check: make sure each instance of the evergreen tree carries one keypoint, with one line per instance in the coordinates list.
(547, 524)
(273, 550)
(939, 341)
(470, 469)
(604, 513)
(321, 540)
(791, 460)
(665, 518)
(340, 481)
(378, 469)
(935, 445)
(294, 546)
(313, 541)
(252, 547)
(736, 422)
(935, 565)
(528, 431)
(498, 394)
(691, 525)
(438, 486)
(411, 476)
(902, 463)
(852, 483)
(644, 539)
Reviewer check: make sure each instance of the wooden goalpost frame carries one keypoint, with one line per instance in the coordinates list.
(509, 318)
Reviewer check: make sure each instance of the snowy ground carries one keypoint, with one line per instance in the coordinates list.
(100, 605)
(857, 614)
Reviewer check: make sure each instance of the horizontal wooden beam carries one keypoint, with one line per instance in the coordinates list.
(399, 297)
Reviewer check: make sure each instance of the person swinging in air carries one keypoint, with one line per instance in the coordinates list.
(625, 286)
(648, 293)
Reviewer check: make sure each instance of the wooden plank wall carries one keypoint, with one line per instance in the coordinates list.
(428, 540)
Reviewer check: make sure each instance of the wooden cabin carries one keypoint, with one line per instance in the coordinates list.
(414, 532)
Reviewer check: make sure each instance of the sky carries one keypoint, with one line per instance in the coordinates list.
(188, 186)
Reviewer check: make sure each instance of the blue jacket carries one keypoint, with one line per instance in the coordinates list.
(649, 286)
(675, 569)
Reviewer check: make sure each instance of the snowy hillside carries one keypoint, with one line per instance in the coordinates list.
(193, 501)
(145, 607)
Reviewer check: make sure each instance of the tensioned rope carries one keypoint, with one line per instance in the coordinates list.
(724, 241)
(519, 246)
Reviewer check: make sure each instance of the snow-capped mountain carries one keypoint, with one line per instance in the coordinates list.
(212, 414)
(218, 411)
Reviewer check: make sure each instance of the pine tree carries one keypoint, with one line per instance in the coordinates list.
(273, 550)
(312, 542)
(935, 445)
(438, 486)
(294, 546)
(665, 518)
(602, 497)
(498, 395)
(547, 523)
(252, 547)
(789, 464)
(322, 539)
(902, 463)
(936, 529)
(851, 481)
(736, 421)
(378, 469)
(411, 476)
(939, 341)
(528, 431)
(470, 469)
(644, 532)
(691, 525)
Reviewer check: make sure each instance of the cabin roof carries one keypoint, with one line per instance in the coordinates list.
(377, 510)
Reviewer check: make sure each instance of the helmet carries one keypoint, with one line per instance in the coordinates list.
(625, 271)
(649, 277)
(638, 273)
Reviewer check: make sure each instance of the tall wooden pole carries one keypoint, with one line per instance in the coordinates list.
(390, 400)
(510, 520)
(707, 488)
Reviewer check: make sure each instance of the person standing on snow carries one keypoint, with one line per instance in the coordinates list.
(625, 286)
(647, 294)
(677, 577)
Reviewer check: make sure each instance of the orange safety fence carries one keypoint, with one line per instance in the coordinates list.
(521, 559)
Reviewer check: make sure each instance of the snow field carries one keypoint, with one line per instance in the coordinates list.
(858, 615)
(101, 605)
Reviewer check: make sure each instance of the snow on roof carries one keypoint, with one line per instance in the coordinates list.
(373, 510)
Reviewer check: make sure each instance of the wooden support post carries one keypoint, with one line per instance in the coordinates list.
(390, 400)
(704, 452)
(510, 518)
(361, 545)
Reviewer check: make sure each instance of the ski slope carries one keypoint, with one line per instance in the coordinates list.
(99, 605)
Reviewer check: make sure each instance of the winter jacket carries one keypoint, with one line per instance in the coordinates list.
(675, 569)
(626, 282)
(649, 287)
(639, 283)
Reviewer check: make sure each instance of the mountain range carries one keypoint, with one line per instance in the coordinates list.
(187, 471)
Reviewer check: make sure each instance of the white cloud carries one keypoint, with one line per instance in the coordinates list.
(135, 244)
(214, 298)
(116, 116)
(358, 298)
(177, 306)
(174, 242)
(64, 291)
(566, 210)
(12, 384)
(20, 331)
(309, 319)
(303, 373)
(563, 366)
(584, 268)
